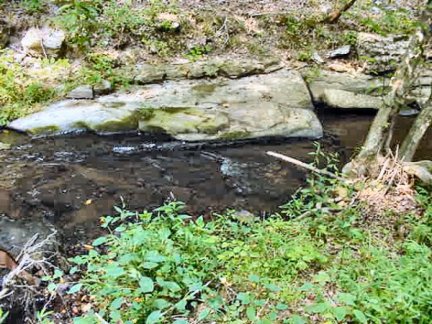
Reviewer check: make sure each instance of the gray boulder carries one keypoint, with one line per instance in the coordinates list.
(44, 41)
(276, 104)
(348, 100)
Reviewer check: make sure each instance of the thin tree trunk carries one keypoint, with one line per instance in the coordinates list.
(334, 16)
(416, 133)
(400, 85)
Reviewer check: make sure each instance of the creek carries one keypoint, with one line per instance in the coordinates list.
(71, 181)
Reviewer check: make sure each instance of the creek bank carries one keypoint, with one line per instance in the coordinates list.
(275, 104)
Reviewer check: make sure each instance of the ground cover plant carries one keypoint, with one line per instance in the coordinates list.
(322, 259)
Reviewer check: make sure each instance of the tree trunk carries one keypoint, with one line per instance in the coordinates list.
(334, 16)
(400, 85)
(418, 129)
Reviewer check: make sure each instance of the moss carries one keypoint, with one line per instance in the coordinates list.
(181, 121)
(128, 123)
(45, 130)
(204, 89)
(235, 135)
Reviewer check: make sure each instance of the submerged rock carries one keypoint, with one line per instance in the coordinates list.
(276, 104)
(14, 234)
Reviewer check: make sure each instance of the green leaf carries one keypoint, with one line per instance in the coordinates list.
(317, 308)
(114, 271)
(116, 303)
(73, 270)
(161, 303)
(181, 305)
(203, 314)
(251, 313)
(272, 287)
(340, 312)
(74, 289)
(360, 316)
(254, 278)
(296, 319)
(281, 307)
(154, 256)
(307, 286)
(99, 241)
(149, 265)
(244, 298)
(154, 317)
(146, 285)
(52, 287)
(180, 321)
(347, 299)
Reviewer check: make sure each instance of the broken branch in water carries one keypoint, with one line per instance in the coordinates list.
(305, 165)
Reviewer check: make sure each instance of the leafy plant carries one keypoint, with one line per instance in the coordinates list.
(79, 18)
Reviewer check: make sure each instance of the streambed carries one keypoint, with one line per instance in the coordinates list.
(72, 181)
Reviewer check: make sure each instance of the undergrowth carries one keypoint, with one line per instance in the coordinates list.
(311, 263)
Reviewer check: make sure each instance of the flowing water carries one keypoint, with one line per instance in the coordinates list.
(72, 181)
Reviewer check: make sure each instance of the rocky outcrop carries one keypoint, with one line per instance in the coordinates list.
(380, 53)
(226, 67)
(45, 41)
(358, 90)
(276, 104)
(338, 90)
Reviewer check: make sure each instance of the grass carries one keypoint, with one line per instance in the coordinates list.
(315, 261)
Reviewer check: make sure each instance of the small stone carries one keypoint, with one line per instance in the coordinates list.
(317, 58)
(81, 92)
(340, 52)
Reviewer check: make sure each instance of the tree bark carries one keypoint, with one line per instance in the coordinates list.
(334, 16)
(400, 85)
(416, 133)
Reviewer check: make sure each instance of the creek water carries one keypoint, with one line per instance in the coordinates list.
(71, 181)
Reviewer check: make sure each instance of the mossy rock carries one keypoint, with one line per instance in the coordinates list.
(175, 121)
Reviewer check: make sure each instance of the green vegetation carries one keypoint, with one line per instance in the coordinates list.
(20, 90)
(319, 260)
(109, 23)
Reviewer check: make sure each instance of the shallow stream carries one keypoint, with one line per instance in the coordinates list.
(72, 181)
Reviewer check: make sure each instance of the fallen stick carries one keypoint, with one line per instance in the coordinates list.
(305, 165)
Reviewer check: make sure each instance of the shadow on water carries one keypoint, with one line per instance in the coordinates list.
(72, 181)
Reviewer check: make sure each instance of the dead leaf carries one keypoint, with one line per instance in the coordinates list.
(88, 202)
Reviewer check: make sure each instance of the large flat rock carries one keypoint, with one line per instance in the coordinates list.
(276, 104)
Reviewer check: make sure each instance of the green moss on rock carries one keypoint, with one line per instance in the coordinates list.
(45, 130)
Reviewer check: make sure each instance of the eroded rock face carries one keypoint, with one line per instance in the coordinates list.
(358, 90)
(276, 104)
(230, 68)
(381, 53)
(330, 88)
